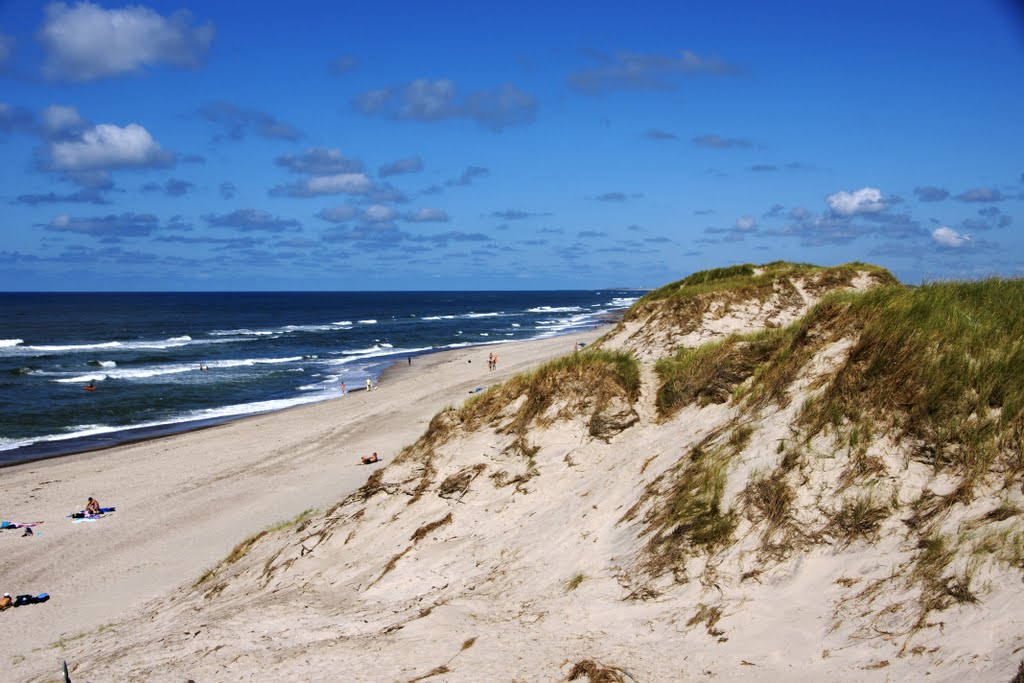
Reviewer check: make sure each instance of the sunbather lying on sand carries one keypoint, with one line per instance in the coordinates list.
(369, 459)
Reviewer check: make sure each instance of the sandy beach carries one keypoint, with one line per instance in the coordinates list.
(185, 500)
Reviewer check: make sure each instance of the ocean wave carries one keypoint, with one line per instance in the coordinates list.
(102, 363)
(481, 315)
(243, 332)
(554, 309)
(438, 317)
(169, 343)
(172, 369)
(11, 342)
(369, 321)
(375, 352)
(309, 328)
(622, 301)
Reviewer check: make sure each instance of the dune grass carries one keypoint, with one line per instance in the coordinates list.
(579, 383)
(710, 373)
(942, 364)
(754, 281)
(687, 517)
(242, 549)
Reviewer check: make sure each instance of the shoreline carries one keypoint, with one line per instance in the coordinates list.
(185, 500)
(128, 436)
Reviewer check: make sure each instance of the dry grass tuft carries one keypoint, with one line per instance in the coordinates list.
(686, 516)
(421, 533)
(711, 373)
(709, 616)
(857, 518)
(456, 485)
(595, 672)
(436, 671)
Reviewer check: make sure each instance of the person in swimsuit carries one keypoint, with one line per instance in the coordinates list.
(93, 507)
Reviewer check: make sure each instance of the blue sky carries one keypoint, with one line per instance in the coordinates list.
(452, 145)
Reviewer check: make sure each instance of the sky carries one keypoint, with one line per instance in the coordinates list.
(527, 145)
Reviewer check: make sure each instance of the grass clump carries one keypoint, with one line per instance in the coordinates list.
(688, 517)
(595, 672)
(596, 382)
(856, 518)
(942, 364)
(710, 373)
(574, 583)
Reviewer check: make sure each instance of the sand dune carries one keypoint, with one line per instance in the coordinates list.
(620, 514)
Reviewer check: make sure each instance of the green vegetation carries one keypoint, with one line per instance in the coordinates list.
(859, 517)
(688, 518)
(579, 383)
(710, 373)
(942, 364)
(751, 281)
(575, 582)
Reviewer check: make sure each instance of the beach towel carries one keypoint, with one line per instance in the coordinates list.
(16, 525)
(82, 514)
(28, 599)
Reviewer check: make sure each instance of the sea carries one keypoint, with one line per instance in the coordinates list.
(162, 363)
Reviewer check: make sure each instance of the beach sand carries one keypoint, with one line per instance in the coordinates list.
(184, 501)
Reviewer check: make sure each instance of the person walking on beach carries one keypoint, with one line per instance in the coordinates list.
(342, 388)
(369, 384)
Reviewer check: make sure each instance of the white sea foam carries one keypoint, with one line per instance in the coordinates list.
(375, 352)
(438, 317)
(171, 369)
(481, 315)
(243, 332)
(171, 342)
(370, 321)
(554, 309)
(11, 342)
(343, 323)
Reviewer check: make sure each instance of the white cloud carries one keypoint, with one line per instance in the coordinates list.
(339, 214)
(340, 183)
(428, 215)
(378, 213)
(864, 200)
(349, 183)
(745, 223)
(107, 146)
(947, 237)
(86, 42)
(58, 119)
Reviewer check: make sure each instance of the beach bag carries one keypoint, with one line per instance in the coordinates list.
(22, 600)
(42, 597)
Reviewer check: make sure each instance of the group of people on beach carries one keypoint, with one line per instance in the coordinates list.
(92, 509)
(492, 361)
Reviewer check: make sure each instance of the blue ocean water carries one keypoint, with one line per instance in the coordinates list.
(263, 351)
